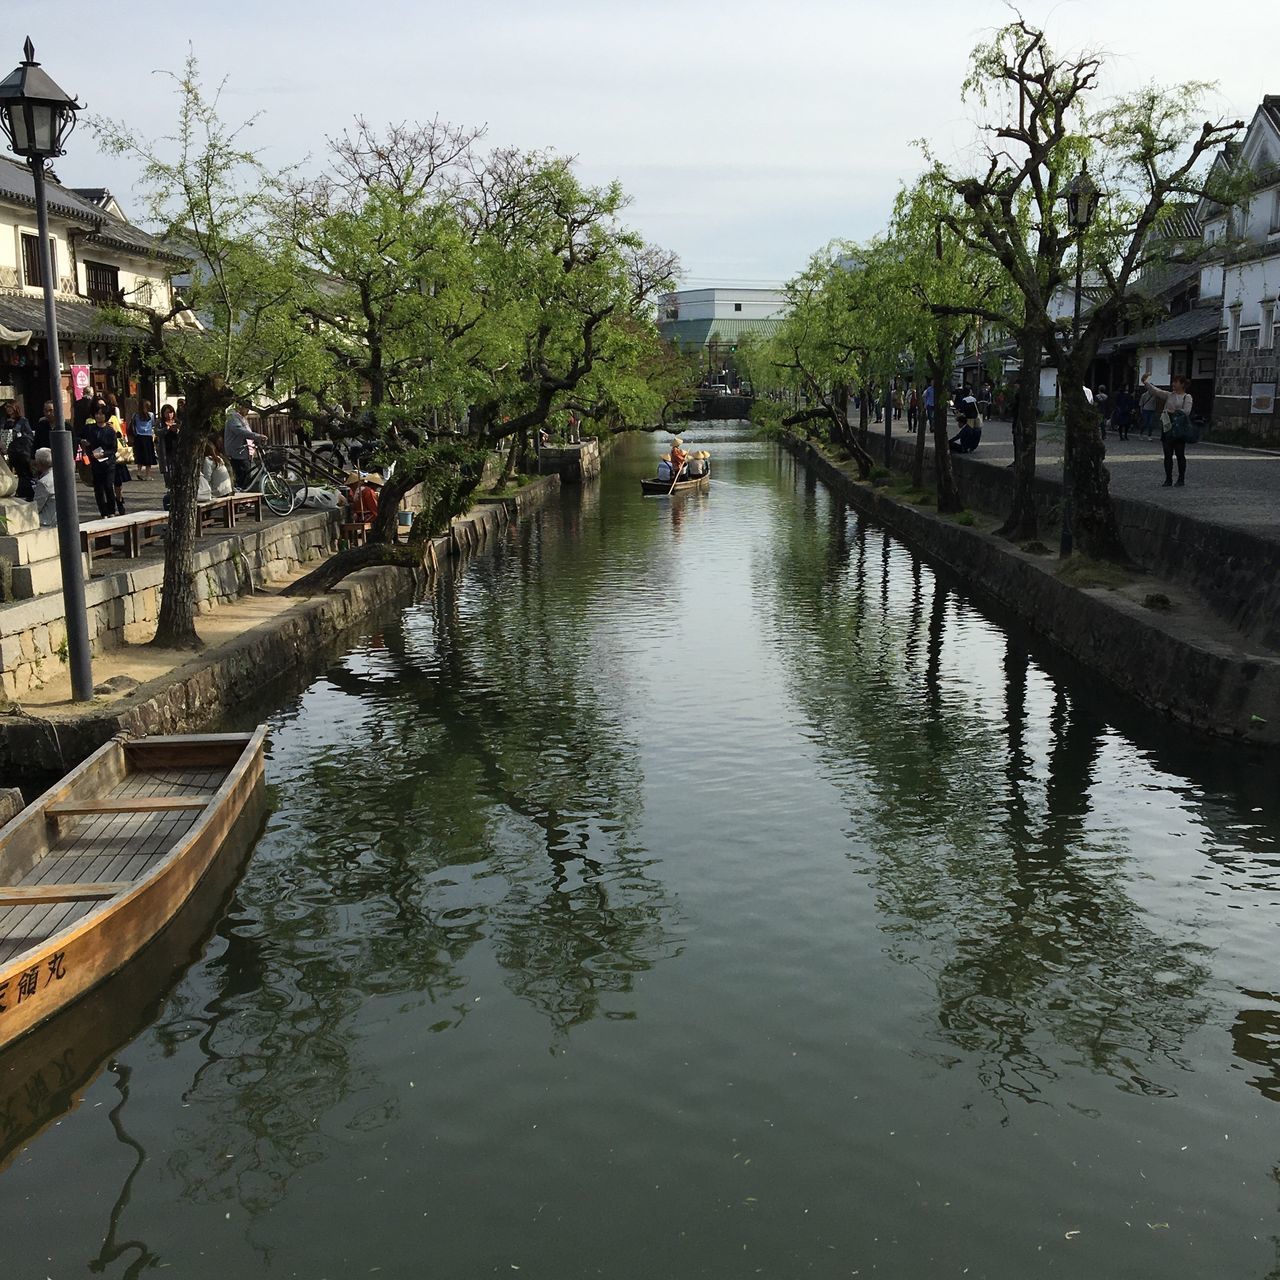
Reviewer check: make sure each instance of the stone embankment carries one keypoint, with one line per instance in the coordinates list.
(1201, 661)
(37, 742)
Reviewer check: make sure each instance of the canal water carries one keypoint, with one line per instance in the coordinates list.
(702, 888)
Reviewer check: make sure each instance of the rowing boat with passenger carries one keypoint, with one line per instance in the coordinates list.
(96, 867)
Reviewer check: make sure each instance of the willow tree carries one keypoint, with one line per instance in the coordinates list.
(467, 298)
(828, 343)
(1146, 148)
(232, 328)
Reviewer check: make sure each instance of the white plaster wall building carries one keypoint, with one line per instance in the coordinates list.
(1244, 276)
(99, 258)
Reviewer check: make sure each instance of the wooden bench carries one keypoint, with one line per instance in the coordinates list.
(216, 513)
(137, 530)
(244, 505)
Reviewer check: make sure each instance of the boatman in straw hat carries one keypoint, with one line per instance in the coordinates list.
(678, 456)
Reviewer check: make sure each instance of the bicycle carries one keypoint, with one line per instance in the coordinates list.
(279, 491)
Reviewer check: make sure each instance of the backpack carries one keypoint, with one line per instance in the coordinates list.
(23, 444)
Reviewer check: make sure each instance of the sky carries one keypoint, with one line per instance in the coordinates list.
(747, 134)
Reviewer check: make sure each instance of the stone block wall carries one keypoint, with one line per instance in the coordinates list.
(1237, 372)
(33, 633)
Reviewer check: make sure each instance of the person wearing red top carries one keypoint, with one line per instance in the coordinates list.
(362, 499)
(678, 456)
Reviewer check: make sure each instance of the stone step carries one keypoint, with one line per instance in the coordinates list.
(18, 516)
(41, 578)
(29, 548)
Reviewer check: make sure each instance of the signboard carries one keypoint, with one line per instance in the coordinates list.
(1262, 397)
(81, 383)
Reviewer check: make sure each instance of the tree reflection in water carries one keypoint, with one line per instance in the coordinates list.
(458, 785)
(972, 817)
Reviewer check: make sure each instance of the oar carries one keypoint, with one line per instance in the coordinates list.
(676, 480)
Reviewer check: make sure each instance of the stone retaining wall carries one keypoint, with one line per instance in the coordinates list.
(1233, 572)
(33, 633)
(38, 746)
(1212, 687)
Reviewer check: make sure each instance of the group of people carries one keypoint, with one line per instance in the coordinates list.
(1145, 408)
(680, 464)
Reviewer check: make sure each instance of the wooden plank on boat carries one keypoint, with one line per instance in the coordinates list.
(127, 804)
(22, 895)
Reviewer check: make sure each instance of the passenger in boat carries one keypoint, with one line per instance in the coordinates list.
(664, 468)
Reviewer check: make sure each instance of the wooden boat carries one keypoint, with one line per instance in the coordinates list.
(650, 486)
(98, 865)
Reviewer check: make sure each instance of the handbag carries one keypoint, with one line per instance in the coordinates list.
(1181, 427)
(124, 452)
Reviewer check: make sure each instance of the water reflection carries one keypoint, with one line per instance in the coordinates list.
(975, 821)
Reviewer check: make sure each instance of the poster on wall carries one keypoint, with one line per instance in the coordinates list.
(1262, 397)
(80, 380)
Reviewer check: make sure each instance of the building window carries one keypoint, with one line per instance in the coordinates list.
(1233, 329)
(1275, 211)
(31, 261)
(737, 306)
(1267, 335)
(101, 282)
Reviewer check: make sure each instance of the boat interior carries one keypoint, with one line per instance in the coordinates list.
(105, 827)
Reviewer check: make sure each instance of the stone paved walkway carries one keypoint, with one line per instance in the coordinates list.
(1234, 487)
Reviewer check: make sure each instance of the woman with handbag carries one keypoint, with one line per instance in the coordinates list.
(123, 456)
(100, 443)
(143, 430)
(1175, 424)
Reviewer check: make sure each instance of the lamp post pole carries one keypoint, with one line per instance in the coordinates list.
(37, 116)
(64, 472)
(1065, 541)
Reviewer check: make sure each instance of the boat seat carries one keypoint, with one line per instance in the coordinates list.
(38, 894)
(127, 804)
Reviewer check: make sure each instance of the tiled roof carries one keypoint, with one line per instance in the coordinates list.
(1177, 221)
(76, 318)
(701, 333)
(1180, 330)
(18, 186)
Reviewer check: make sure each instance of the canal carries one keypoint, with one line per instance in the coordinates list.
(702, 888)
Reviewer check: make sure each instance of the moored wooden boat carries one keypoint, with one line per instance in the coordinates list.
(652, 486)
(96, 867)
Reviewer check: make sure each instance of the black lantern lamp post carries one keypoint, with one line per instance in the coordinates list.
(38, 117)
(1082, 201)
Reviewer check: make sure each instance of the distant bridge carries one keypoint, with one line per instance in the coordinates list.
(714, 405)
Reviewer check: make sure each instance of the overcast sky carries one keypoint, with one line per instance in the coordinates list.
(748, 134)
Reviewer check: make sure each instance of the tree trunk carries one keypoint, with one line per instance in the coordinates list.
(948, 494)
(1095, 532)
(176, 625)
(917, 460)
(1023, 524)
(863, 412)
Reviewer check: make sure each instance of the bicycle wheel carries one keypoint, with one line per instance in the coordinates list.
(276, 494)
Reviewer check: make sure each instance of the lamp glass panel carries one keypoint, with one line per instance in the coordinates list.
(19, 126)
(44, 128)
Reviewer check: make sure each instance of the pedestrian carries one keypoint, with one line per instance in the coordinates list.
(168, 441)
(142, 428)
(1122, 412)
(1175, 425)
(1102, 407)
(237, 435)
(21, 445)
(44, 427)
(1147, 406)
(928, 406)
(124, 456)
(100, 442)
(572, 429)
(897, 402)
(42, 470)
(913, 408)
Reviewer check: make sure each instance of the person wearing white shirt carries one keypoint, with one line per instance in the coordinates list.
(42, 484)
(1177, 400)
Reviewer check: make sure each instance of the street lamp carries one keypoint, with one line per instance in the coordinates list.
(37, 118)
(1082, 201)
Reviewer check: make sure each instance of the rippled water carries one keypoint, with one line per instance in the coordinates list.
(704, 888)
